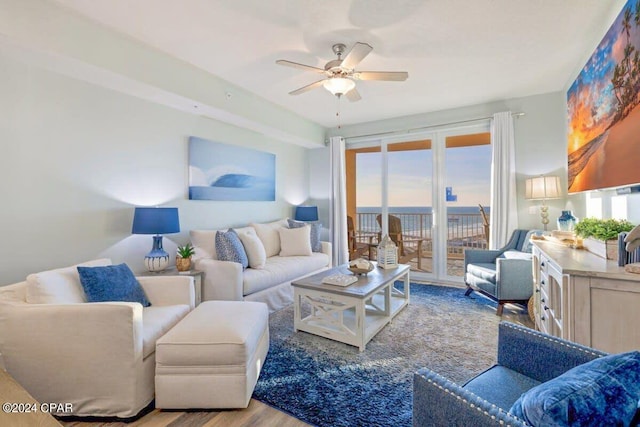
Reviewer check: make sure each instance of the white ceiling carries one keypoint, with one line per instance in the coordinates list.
(457, 52)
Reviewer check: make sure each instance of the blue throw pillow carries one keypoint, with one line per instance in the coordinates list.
(527, 246)
(316, 227)
(602, 392)
(229, 248)
(111, 283)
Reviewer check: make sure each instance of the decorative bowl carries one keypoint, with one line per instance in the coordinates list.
(359, 271)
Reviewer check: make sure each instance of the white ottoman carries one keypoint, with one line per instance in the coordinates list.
(212, 358)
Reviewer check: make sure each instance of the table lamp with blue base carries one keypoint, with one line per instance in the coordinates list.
(156, 221)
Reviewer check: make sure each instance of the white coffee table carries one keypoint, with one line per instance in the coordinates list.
(353, 314)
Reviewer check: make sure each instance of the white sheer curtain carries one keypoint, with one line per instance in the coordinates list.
(338, 210)
(504, 208)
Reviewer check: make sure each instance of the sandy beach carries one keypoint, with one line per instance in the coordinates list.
(617, 161)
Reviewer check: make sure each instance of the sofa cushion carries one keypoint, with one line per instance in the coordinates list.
(282, 269)
(59, 286)
(204, 243)
(215, 334)
(603, 391)
(229, 248)
(268, 234)
(483, 270)
(253, 247)
(156, 321)
(500, 386)
(316, 228)
(111, 283)
(295, 241)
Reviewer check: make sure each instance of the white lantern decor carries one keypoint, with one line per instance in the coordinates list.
(387, 253)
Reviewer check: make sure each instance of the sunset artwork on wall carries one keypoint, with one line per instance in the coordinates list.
(604, 110)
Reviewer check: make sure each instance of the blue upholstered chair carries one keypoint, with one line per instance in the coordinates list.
(526, 358)
(504, 275)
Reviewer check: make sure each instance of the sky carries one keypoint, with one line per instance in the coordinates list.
(591, 100)
(467, 170)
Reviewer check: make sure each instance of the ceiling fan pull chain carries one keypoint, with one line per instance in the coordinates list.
(338, 110)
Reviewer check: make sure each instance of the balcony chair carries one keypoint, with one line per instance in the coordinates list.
(401, 240)
(530, 385)
(356, 249)
(504, 275)
(485, 223)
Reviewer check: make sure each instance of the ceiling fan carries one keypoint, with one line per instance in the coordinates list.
(340, 73)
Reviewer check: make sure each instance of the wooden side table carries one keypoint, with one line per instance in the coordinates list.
(198, 278)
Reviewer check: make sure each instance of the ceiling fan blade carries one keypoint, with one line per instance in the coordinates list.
(307, 88)
(300, 66)
(353, 95)
(357, 54)
(396, 76)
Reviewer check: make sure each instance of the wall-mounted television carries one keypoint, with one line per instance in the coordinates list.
(603, 106)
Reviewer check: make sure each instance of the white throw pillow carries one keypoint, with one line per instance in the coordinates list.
(517, 255)
(253, 247)
(295, 241)
(204, 243)
(268, 234)
(60, 286)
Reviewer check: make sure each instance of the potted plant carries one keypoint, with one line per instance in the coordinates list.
(183, 258)
(600, 236)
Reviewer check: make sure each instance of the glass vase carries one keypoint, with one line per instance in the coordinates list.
(566, 221)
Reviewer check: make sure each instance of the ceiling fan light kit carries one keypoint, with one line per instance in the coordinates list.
(340, 73)
(339, 85)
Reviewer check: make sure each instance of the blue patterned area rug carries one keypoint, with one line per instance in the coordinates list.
(327, 383)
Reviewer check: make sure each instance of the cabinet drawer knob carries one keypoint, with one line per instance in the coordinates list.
(542, 264)
(546, 308)
(537, 290)
(543, 318)
(542, 300)
(542, 281)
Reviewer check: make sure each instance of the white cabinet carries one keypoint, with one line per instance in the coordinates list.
(586, 299)
(550, 287)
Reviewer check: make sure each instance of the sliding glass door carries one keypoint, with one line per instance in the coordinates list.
(429, 189)
(409, 201)
(467, 182)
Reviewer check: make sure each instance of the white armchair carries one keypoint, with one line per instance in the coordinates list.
(100, 357)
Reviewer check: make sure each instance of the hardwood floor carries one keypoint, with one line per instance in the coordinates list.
(257, 414)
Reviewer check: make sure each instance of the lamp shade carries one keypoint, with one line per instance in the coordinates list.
(542, 187)
(307, 213)
(155, 221)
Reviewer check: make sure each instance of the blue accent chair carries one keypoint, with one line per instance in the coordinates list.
(526, 358)
(505, 274)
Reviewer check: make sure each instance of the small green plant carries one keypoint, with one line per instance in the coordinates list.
(601, 229)
(186, 251)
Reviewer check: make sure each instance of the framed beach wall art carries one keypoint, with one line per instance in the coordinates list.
(220, 171)
(604, 110)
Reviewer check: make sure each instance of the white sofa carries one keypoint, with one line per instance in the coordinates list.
(271, 284)
(100, 357)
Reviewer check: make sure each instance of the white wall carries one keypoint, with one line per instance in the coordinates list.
(54, 38)
(76, 158)
(539, 138)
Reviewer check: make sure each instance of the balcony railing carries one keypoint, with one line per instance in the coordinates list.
(463, 231)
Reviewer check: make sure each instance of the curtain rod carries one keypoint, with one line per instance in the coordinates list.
(399, 132)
